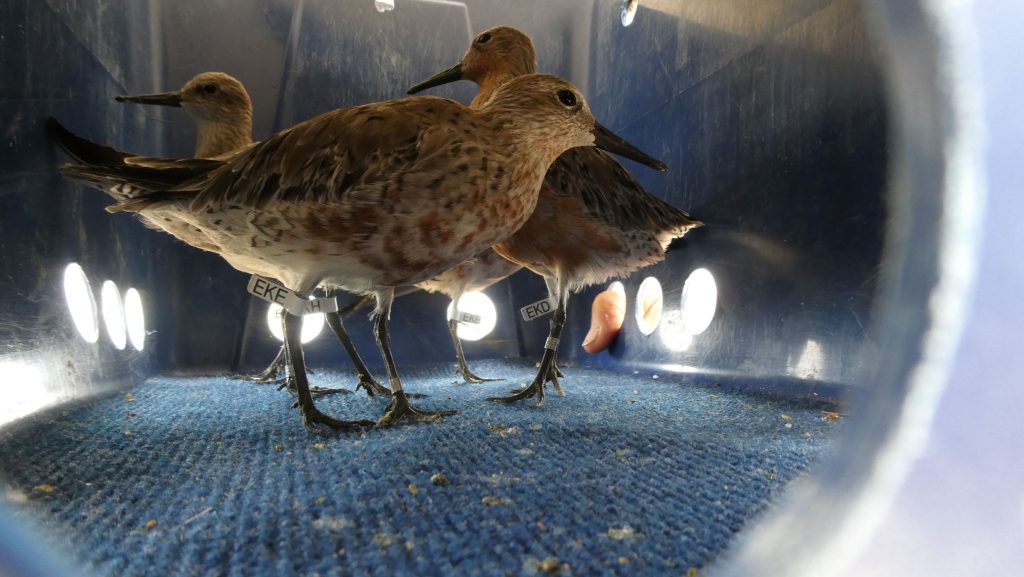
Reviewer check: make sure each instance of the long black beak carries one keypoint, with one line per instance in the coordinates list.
(607, 140)
(451, 75)
(162, 99)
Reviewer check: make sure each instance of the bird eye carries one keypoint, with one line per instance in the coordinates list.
(483, 38)
(567, 98)
(210, 88)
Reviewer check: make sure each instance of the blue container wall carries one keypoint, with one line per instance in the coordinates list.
(66, 59)
(770, 114)
(772, 118)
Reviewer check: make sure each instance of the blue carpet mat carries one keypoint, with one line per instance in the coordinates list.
(626, 475)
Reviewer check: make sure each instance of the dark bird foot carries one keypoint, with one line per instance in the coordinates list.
(535, 389)
(553, 375)
(315, 421)
(375, 389)
(259, 380)
(312, 418)
(315, 392)
(471, 377)
(372, 387)
(267, 377)
(318, 392)
(552, 378)
(270, 374)
(400, 408)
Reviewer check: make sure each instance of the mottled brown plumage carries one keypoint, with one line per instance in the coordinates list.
(358, 187)
(223, 112)
(598, 235)
(593, 220)
(365, 182)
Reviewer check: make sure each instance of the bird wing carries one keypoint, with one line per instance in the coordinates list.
(89, 153)
(611, 194)
(121, 175)
(329, 157)
(80, 149)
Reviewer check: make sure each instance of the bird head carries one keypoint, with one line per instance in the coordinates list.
(554, 113)
(210, 97)
(495, 56)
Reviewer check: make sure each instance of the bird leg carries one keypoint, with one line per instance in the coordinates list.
(399, 407)
(289, 374)
(556, 292)
(317, 392)
(554, 374)
(468, 375)
(276, 366)
(546, 373)
(311, 416)
(366, 381)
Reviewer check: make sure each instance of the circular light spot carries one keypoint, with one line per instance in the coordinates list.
(699, 301)
(477, 316)
(311, 324)
(673, 334)
(81, 302)
(135, 318)
(648, 305)
(113, 314)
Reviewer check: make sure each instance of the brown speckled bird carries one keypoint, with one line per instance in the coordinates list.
(593, 220)
(373, 197)
(223, 111)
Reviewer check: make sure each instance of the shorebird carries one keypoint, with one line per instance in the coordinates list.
(222, 110)
(593, 220)
(373, 197)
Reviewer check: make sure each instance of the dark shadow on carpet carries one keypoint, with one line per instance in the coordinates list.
(626, 475)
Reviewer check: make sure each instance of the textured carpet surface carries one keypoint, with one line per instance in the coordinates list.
(626, 475)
